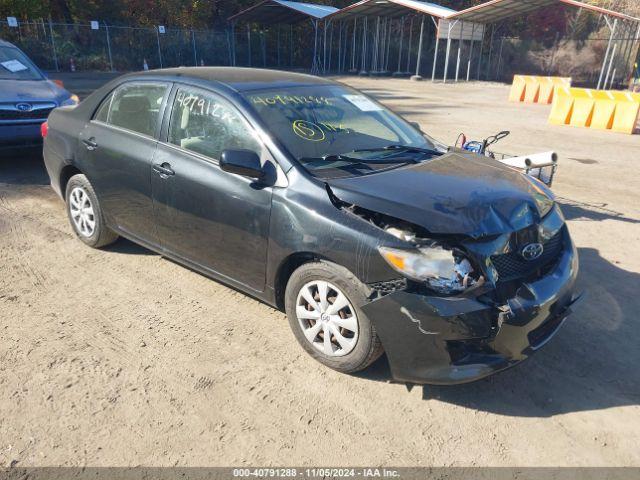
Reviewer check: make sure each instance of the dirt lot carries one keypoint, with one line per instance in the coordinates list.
(120, 357)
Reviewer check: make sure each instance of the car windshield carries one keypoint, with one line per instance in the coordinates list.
(14, 65)
(333, 126)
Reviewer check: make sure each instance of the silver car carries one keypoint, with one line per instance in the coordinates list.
(27, 97)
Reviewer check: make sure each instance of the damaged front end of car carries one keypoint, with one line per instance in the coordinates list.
(465, 306)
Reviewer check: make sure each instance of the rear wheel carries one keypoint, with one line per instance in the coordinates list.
(85, 214)
(322, 303)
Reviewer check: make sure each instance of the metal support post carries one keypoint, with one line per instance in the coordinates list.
(195, 52)
(417, 76)
(606, 55)
(460, 39)
(340, 25)
(408, 70)
(493, 32)
(330, 47)
(399, 72)
(233, 44)
(499, 66)
(353, 48)
(376, 48)
(106, 29)
(435, 55)
(315, 67)
(613, 56)
(473, 33)
(159, 49)
(446, 60)
(53, 46)
(278, 45)
(363, 70)
(484, 29)
(386, 55)
(249, 53)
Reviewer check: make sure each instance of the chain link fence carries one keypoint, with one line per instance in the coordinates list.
(102, 47)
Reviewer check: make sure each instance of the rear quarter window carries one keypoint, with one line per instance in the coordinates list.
(102, 114)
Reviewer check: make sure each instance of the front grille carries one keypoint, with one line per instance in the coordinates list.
(38, 111)
(511, 266)
(30, 115)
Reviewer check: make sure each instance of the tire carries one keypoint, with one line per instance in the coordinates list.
(358, 348)
(85, 214)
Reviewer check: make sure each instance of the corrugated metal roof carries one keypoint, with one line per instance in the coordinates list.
(282, 11)
(497, 10)
(391, 8)
(311, 9)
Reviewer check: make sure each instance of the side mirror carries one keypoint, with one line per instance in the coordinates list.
(242, 162)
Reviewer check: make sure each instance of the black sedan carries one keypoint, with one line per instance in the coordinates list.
(316, 199)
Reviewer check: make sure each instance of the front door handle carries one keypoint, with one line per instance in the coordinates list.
(90, 144)
(164, 169)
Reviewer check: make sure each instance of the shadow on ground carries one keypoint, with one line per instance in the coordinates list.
(127, 247)
(26, 168)
(582, 211)
(589, 365)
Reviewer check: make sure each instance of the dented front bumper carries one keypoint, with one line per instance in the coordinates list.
(438, 340)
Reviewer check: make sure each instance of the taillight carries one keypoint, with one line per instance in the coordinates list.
(44, 129)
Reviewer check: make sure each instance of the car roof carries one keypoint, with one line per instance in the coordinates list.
(238, 78)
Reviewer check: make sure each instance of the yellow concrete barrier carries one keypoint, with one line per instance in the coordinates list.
(604, 110)
(598, 109)
(627, 111)
(517, 89)
(562, 106)
(535, 89)
(548, 86)
(583, 105)
(531, 89)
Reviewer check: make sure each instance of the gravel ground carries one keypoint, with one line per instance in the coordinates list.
(120, 357)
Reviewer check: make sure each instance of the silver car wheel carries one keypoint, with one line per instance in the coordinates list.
(327, 318)
(82, 212)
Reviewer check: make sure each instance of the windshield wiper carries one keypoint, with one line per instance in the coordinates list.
(405, 148)
(366, 161)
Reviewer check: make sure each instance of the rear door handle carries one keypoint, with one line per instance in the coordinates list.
(164, 169)
(90, 144)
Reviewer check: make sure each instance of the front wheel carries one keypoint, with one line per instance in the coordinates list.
(322, 301)
(85, 213)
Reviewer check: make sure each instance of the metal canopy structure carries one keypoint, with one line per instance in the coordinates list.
(376, 21)
(271, 12)
(498, 10)
(281, 12)
(626, 27)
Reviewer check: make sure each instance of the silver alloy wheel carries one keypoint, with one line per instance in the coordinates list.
(82, 212)
(327, 319)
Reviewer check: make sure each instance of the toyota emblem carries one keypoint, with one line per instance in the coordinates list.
(532, 252)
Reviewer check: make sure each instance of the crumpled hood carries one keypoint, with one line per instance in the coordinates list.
(452, 194)
(29, 90)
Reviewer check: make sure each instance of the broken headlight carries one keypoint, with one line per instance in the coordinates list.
(439, 268)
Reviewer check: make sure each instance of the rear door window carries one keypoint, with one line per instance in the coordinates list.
(134, 107)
